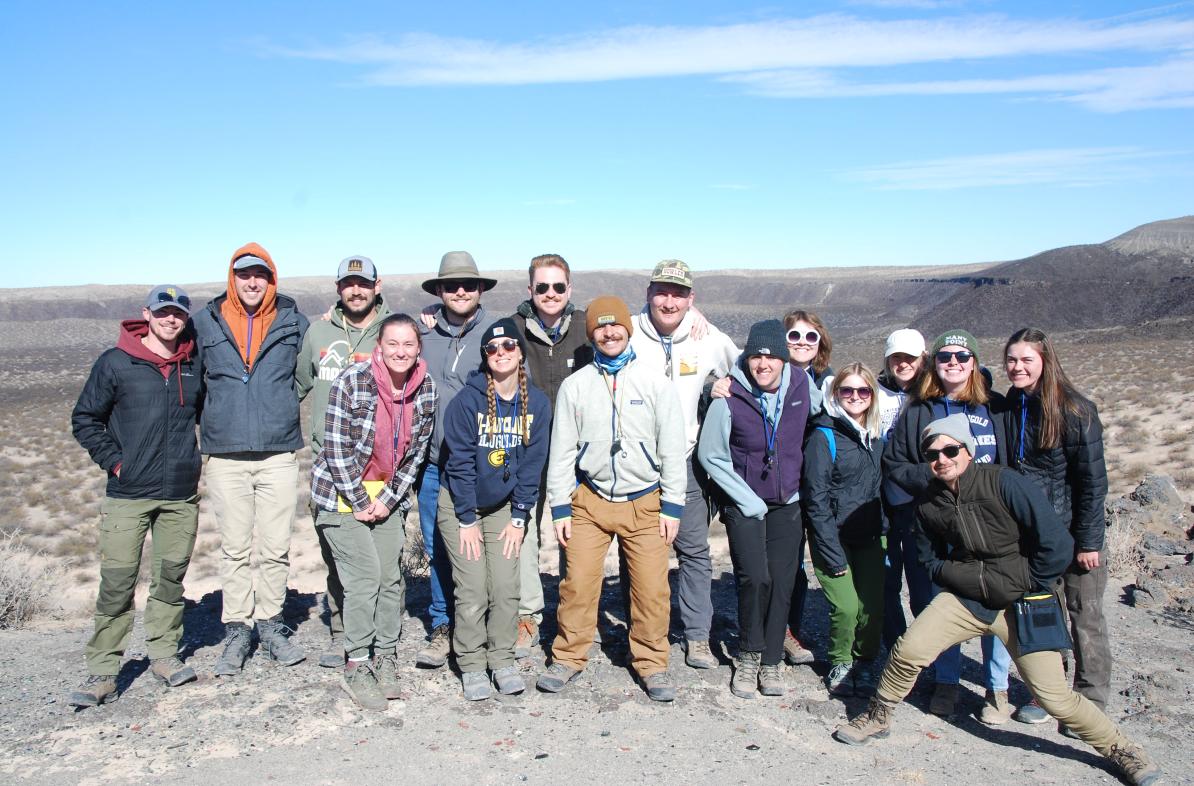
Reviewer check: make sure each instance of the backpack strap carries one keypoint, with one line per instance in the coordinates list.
(832, 440)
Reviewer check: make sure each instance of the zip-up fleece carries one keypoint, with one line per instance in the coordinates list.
(452, 353)
(650, 452)
(329, 347)
(995, 540)
(550, 363)
(487, 462)
(250, 410)
(137, 413)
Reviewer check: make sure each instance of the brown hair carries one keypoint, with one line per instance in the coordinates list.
(399, 320)
(927, 385)
(873, 422)
(549, 260)
(1054, 389)
(491, 398)
(824, 346)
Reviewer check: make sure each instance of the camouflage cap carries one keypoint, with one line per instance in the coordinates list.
(672, 271)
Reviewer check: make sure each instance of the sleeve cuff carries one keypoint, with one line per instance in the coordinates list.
(561, 511)
(671, 509)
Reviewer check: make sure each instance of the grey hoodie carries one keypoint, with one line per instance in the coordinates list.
(451, 353)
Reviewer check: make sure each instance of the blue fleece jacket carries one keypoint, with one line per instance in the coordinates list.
(487, 462)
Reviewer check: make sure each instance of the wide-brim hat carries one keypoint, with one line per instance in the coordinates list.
(457, 265)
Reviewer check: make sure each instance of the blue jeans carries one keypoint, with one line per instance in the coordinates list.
(902, 562)
(947, 669)
(433, 547)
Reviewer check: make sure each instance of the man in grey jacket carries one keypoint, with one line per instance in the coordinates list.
(450, 348)
(249, 339)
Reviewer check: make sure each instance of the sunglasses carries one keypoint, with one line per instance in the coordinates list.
(811, 337)
(943, 357)
(862, 393)
(560, 287)
(467, 284)
(505, 345)
(949, 451)
(182, 300)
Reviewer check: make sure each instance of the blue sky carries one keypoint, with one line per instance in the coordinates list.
(146, 141)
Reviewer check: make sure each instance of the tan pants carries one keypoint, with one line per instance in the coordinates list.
(946, 622)
(595, 522)
(253, 492)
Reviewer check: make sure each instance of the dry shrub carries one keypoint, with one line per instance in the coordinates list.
(29, 582)
(414, 558)
(1124, 543)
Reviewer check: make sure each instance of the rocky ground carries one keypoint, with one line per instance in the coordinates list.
(296, 725)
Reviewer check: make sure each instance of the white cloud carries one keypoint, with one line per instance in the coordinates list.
(1074, 167)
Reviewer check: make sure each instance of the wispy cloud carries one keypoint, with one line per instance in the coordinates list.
(1074, 167)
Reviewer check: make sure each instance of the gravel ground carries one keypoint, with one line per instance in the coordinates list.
(296, 725)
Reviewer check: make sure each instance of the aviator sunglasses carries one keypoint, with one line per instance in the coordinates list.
(862, 393)
(949, 451)
(559, 286)
(962, 356)
(811, 337)
(505, 345)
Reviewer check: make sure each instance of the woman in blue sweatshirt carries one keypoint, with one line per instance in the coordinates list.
(496, 433)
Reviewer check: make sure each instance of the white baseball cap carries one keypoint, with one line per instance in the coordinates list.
(907, 341)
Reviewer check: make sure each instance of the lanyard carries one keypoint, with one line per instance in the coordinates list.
(770, 425)
(615, 417)
(1023, 423)
(497, 404)
(666, 342)
(398, 427)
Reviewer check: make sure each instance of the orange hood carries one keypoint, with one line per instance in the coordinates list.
(247, 331)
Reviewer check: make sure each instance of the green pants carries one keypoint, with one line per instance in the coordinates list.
(123, 525)
(486, 591)
(368, 560)
(855, 602)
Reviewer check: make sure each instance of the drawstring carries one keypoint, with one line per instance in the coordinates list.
(178, 375)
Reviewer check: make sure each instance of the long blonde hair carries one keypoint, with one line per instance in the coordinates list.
(872, 421)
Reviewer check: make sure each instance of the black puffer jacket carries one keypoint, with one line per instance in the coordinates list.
(130, 416)
(840, 498)
(1073, 475)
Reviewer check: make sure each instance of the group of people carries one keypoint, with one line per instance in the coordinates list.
(604, 420)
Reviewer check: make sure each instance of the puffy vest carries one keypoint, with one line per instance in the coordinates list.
(778, 482)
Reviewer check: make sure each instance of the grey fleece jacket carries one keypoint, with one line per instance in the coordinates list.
(451, 353)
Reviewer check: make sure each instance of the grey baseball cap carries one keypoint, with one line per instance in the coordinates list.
(361, 267)
(168, 295)
(248, 261)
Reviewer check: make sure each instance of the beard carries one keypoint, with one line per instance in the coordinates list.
(358, 313)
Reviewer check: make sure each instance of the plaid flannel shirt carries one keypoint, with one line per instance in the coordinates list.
(348, 432)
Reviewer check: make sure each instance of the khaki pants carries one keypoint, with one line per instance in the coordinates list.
(530, 593)
(124, 524)
(946, 622)
(595, 522)
(253, 493)
(486, 591)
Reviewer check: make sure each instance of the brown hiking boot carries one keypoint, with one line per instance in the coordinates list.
(385, 669)
(945, 697)
(528, 637)
(873, 723)
(172, 671)
(796, 653)
(698, 655)
(745, 681)
(96, 689)
(771, 683)
(996, 711)
(435, 653)
(1134, 765)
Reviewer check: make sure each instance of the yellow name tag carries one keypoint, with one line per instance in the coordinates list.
(688, 366)
(372, 488)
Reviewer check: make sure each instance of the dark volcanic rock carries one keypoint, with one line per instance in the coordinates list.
(1157, 492)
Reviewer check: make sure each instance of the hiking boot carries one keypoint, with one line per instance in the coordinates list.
(770, 681)
(945, 697)
(660, 686)
(698, 655)
(435, 653)
(556, 677)
(333, 656)
(172, 671)
(996, 711)
(873, 723)
(275, 641)
(1134, 765)
(360, 683)
(796, 653)
(528, 637)
(96, 689)
(385, 670)
(865, 677)
(509, 681)
(237, 639)
(839, 682)
(476, 685)
(1030, 713)
(745, 681)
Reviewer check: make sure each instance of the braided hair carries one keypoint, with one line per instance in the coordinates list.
(491, 400)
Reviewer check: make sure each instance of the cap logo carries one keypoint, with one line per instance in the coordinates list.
(355, 266)
(171, 292)
(763, 351)
(674, 272)
(499, 331)
(606, 319)
(957, 341)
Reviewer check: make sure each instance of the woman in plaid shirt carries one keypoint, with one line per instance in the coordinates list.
(376, 432)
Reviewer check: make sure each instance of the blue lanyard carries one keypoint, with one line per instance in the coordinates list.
(770, 424)
(1023, 422)
(497, 403)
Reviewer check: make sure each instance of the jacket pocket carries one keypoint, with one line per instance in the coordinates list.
(650, 459)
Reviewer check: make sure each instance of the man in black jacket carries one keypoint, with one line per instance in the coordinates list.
(136, 418)
(988, 537)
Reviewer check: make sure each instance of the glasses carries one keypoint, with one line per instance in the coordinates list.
(862, 393)
(962, 357)
(949, 451)
(811, 337)
(560, 287)
(467, 284)
(505, 345)
(182, 300)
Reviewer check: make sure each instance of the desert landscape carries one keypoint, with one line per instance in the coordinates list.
(1120, 312)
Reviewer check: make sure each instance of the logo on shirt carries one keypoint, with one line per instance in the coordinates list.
(497, 457)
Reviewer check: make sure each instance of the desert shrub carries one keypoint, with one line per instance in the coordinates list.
(1124, 542)
(414, 558)
(28, 582)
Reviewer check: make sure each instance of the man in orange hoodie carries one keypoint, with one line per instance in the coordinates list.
(250, 338)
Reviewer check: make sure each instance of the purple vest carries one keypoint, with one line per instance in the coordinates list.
(777, 483)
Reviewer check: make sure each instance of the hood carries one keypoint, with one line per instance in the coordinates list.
(846, 423)
(477, 380)
(643, 322)
(129, 342)
(271, 291)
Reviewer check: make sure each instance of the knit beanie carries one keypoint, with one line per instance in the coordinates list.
(956, 427)
(956, 338)
(767, 338)
(607, 310)
(502, 328)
